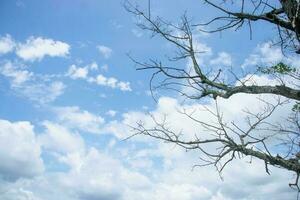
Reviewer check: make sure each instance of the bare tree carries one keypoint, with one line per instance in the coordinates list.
(231, 140)
(283, 14)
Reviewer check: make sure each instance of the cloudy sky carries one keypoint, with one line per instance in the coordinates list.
(69, 94)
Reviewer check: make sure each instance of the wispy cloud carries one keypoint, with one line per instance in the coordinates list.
(38, 88)
(111, 113)
(104, 51)
(223, 59)
(267, 54)
(16, 75)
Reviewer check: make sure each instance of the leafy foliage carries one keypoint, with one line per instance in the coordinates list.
(279, 68)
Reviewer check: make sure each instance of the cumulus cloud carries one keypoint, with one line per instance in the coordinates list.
(181, 192)
(36, 48)
(18, 194)
(20, 153)
(233, 109)
(253, 182)
(177, 163)
(93, 177)
(104, 51)
(75, 118)
(90, 177)
(151, 169)
(60, 139)
(7, 44)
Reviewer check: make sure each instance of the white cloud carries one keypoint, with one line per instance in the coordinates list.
(111, 113)
(75, 118)
(137, 33)
(232, 109)
(17, 76)
(104, 68)
(7, 44)
(55, 89)
(202, 48)
(124, 86)
(59, 139)
(42, 92)
(104, 51)
(101, 80)
(121, 129)
(93, 66)
(96, 175)
(254, 183)
(267, 54)
(177, 162)
(19, 194)
(91, 177)
(204, 56)
(181, 192)
(222, 59)
(154, 170)
(19, 150)
(77, 72)
(203, 52)
(38, 88)
(110, 82)
(37, 48)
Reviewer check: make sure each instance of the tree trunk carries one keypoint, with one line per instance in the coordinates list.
(292, 10)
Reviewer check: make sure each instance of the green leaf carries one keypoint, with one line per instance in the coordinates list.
(279, 68)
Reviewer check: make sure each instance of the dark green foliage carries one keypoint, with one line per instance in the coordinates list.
(279, 68)
(296, 107)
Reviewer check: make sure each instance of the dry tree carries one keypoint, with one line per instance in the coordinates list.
(231, 139)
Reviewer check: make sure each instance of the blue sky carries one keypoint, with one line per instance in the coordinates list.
(69, 93)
